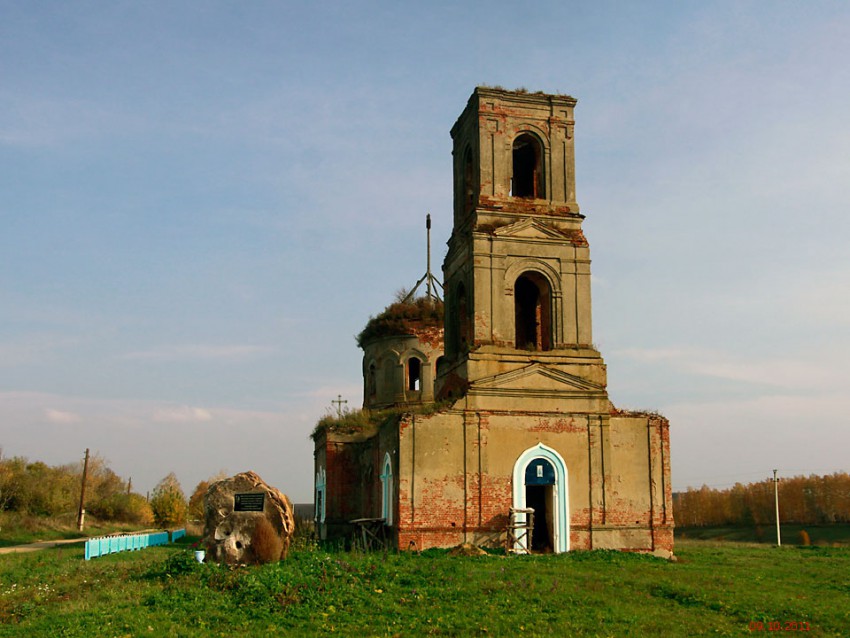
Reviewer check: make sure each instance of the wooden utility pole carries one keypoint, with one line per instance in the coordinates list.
(776, 500)
(81, 515)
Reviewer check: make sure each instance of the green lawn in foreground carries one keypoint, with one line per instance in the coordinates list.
(715, 590)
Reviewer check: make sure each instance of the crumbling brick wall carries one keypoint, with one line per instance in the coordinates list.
(456, 480)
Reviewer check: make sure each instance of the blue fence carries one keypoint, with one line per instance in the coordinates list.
(128, 542)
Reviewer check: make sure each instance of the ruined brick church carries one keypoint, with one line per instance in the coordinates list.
(495, 403)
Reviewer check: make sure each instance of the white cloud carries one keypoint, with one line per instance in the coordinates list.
(182, 414)
(781, 372)
(59, 416)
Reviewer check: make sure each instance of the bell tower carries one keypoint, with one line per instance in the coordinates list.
(527, 425)
(517, 272)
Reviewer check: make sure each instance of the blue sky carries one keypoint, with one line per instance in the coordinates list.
(202, 202)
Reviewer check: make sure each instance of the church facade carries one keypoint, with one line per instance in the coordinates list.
(494, 404)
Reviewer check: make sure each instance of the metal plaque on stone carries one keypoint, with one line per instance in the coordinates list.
(252, 502)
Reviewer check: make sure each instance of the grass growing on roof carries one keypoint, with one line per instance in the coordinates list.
(402, 318)
(353, 421)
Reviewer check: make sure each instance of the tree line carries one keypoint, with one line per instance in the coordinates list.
(33, 488)
(809, 500)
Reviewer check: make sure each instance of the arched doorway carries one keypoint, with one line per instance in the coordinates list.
(540, 482)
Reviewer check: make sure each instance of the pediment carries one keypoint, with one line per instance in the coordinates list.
(530, 229)
(538, 377)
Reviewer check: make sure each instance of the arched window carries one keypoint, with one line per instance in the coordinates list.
(468, 187)
(441, 366)
(527, 180)
(532, 312)
(387, 490)
(320, 495)
(464, 331)
(372, 381)
(414, 374)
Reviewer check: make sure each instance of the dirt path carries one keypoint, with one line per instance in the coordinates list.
(34, 547)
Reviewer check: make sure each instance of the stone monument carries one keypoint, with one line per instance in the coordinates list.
(246, 521)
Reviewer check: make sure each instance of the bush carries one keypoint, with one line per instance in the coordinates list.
(123, 508)
(266, 542)
(41, 490)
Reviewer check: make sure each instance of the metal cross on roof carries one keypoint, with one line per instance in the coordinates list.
(339, 403)
(430, 280)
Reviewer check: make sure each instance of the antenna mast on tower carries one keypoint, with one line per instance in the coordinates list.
(431, 282)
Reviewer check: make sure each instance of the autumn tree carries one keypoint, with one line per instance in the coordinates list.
(809, 500)
(196, 501)
(168, 502)
(37, 489)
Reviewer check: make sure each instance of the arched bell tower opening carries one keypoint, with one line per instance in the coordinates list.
(533, 312)
(527, 180)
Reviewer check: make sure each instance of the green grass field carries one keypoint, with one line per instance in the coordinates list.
(828, 535)
(715, 589)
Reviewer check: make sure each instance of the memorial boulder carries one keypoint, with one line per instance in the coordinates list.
(246, 521)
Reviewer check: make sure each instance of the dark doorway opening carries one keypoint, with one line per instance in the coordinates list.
(539, 495)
